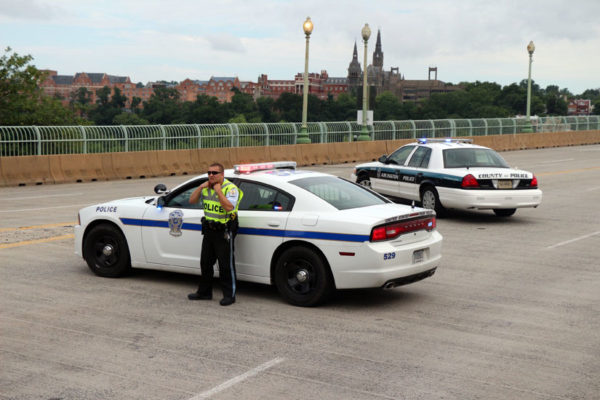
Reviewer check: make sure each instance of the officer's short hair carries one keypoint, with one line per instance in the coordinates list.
(221, 168)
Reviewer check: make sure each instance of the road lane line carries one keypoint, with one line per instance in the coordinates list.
(574, 240)
(237, 379)
(41, 196)
(22, 228)
(36, 241)
(44, 208)
(568, 171)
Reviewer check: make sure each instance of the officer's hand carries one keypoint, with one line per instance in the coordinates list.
(204, 185)
(217, 187)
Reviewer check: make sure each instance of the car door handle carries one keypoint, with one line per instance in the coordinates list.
(273, 223)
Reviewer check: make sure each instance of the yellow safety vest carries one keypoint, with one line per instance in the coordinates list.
(213, 210)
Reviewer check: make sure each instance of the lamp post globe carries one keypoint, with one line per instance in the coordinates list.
(303, 137)
(364, 132)
(528, 128)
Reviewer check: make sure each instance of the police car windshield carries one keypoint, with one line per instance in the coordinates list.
(473, 157)
(339, 193)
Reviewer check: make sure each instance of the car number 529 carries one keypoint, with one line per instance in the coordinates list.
(389, 256)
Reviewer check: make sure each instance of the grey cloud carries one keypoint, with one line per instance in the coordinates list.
(29, 9)
(226, 42)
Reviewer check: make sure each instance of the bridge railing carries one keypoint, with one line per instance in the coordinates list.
(46, 140)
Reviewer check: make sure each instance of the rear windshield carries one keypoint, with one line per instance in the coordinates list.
(340, 193)
(473, 157)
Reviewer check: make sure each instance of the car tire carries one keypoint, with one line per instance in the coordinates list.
(504, 212)
(430, 200)
(363, 180)
(302, 278)
(105, 251)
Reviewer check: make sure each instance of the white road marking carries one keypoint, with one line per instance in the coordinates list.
(237, 379)
(42, 196)
(556, 161)
(573, 240)
(43, 208)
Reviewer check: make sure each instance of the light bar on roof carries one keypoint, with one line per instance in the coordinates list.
(446, 140)
(248, 168)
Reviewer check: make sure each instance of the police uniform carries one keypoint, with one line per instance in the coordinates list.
(219, 228)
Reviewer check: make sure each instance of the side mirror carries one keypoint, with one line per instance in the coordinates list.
(160, 189)
(383, 159)
(160, 202)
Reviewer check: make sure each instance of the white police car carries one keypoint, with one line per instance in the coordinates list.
(451, 173)
(305, 232)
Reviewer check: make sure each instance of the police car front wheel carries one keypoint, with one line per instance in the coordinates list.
(105, 251)
(302, 278)
(363, 179)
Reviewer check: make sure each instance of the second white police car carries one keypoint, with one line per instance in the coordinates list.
(451, 173)
(305, 232)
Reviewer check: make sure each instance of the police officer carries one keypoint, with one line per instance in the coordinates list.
(220, 200)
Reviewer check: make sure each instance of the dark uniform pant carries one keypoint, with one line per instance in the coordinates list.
(216, 247)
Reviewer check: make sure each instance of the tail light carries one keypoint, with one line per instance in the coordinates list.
(534, 182)
(469, 181)
(395, 229)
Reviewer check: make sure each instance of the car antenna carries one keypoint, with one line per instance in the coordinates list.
(412, 205)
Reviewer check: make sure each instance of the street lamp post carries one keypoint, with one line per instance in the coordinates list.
(303, 135)
(364, 132)
(530, 50)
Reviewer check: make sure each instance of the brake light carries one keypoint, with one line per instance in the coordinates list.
(469, 181)
(395, 229)
(534, 182)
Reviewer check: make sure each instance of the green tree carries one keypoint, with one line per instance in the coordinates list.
(289, 107)
(22, 102)
(128, 118)
(164, 107)
(387, 107)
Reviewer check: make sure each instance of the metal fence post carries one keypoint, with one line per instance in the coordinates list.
(39, 140)
(452, 128)
(350, 138)
(393, 130)
(199, 136)
(322, 132)
(486, 126)
(414, 129)
(266, 134)
(126, 138)
(164, 137)
(83, 136)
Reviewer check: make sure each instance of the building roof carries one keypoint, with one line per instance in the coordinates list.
(336, 80)
(117, 79)
(62, 79)
(223, 78)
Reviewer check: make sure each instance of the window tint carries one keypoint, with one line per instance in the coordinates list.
(399, 156)
(473, 157)
(420, 158)
(259, 197)
(339, 193)
(181, 197)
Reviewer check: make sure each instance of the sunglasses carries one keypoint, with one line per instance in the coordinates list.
(213, 172)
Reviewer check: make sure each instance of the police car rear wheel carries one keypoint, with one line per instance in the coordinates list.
(431, 200)
(364, 180)
(105, 251)
(302, 278)
(504, 212)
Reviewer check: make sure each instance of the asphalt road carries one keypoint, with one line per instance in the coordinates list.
(513, 312)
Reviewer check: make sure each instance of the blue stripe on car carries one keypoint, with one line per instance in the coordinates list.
(344, 237)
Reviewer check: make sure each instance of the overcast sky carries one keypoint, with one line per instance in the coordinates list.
(467, 40)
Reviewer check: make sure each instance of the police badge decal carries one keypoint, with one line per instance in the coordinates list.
(175, 222)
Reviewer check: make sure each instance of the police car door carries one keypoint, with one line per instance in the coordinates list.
(388, 175)
(171, 234)
(413, 173)
(263, 214)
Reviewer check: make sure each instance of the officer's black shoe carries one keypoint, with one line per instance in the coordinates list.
(200, 296)
(226, 301)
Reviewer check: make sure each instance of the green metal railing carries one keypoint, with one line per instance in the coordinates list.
(44, 140)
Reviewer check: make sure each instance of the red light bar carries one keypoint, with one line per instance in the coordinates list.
(248, 168)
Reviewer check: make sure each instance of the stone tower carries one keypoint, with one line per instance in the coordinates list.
(378, 53)
(354, 71)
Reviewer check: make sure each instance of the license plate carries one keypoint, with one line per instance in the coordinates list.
(418, 256)
(505, 184)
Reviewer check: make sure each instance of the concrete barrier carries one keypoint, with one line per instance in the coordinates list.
(371, 151)
(313, 154)
(248, 155)
(284, 153)
(392, 145)
(344, 152)
(174, 162)
(26, 170)
(203, 158)
(69, 168)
